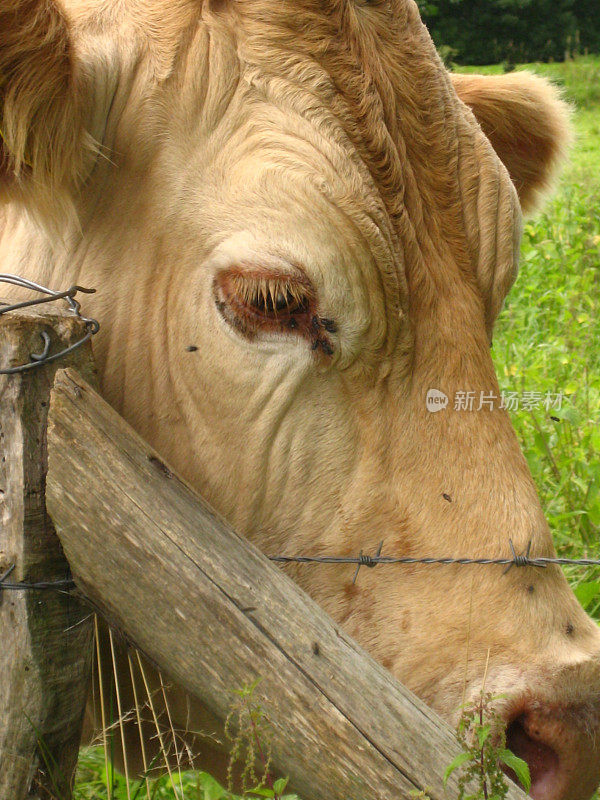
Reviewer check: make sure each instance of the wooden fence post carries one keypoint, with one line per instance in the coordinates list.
(215, 614)
(45, 635)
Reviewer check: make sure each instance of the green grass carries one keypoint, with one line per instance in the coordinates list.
(92, 784)
(580, 78)
(547, 340)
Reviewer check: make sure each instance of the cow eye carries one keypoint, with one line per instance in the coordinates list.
(257, 300)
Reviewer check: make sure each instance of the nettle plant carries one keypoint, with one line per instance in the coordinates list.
(481, 763)
(250, 733)
(484, 753)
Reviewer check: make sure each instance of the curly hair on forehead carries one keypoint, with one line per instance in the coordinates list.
(379, 73)
(372, 65)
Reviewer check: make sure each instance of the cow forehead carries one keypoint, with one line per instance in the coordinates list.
(376, 68)
(371, 67)
(373, 64)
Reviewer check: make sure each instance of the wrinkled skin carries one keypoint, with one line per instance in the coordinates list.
(320, 145)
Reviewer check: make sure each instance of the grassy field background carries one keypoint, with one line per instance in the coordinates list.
(548, 337)
(547, 340)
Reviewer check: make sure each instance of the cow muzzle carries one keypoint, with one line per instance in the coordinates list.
(561, 745)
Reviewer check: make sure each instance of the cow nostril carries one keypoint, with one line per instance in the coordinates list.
(526, 742)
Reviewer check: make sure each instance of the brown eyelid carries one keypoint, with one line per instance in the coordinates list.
(258, 301)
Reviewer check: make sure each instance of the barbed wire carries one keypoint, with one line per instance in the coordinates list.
(516, 560)
(39, 359)
(362, 560)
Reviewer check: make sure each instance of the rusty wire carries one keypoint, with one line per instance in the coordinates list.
(48, 296)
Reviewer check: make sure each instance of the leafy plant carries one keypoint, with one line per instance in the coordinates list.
(484, 754)
(249, 731)
(93, 781)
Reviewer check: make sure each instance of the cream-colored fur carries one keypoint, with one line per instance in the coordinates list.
(44, 146)
(527, 123)
(321, 139)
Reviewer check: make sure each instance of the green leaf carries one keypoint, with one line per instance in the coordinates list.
(460, 759)
(248, 691)
(518, 766)
(280, 785)
(483, 734)
(587, 592)
(212, 789)
(262, 792)
(594, 512)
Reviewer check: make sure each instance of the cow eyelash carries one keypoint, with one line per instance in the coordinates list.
(270, 296)
(254, 302)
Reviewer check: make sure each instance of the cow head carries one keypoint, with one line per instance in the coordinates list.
(300, 226)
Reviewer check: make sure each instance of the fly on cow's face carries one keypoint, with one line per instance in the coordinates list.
(329, 325)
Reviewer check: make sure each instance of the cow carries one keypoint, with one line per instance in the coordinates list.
(300, 226)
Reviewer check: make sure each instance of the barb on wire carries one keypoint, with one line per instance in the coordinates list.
(516, 560)
(519, 560)
(58, 586)
(367, 561)
(48, 296)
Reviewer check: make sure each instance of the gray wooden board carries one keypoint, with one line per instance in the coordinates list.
(46, 636)
(212, 611)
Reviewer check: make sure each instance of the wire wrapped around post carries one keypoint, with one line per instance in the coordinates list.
(48, 296)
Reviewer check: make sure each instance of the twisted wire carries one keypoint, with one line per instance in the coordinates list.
(361, 560)
(92, 326)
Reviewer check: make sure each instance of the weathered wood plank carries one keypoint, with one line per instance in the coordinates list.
(213, 612)
(46, 640)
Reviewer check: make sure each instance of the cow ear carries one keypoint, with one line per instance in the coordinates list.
(43, 142)
(527, 123)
